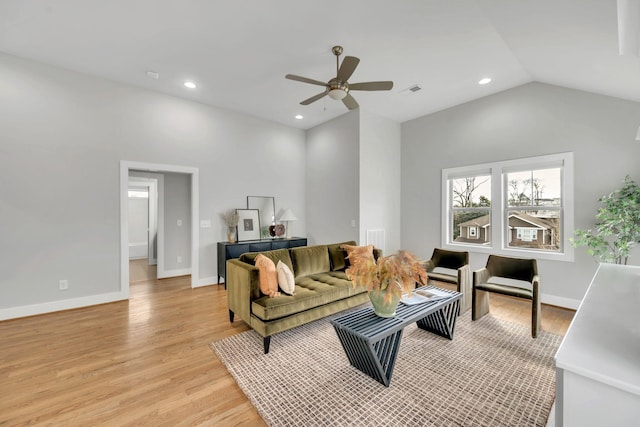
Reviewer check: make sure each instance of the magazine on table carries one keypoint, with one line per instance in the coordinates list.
(421, 295)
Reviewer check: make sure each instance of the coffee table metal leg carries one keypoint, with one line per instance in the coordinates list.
(374, 359)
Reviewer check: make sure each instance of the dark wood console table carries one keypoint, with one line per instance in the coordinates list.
(228, 250)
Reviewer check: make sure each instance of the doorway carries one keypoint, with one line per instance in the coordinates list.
(143, 226)
(125, 168)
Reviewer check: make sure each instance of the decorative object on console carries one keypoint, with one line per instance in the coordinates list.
(386, 278)
(278, 230)
(248, 224)
(286, 217)
(266, 206)
(230, 218)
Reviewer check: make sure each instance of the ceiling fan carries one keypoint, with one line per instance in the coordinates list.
(338, 88)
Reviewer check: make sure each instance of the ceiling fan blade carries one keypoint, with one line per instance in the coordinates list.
(371, 86)
(314, 98)
(349, 64)
(350, 102)
(304, 80)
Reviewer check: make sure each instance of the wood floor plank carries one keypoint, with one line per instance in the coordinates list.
(145, 361)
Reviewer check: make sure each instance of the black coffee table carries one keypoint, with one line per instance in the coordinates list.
(371, 342)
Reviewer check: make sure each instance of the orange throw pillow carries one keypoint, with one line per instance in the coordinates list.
(354, 252)
(268, 276)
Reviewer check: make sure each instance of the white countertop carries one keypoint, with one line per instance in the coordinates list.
(603, 341)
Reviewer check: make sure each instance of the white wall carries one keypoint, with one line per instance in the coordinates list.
(138, 226)
(530, 120)
(58, 128)
(380, 178)
(177, 238)
(332, 181)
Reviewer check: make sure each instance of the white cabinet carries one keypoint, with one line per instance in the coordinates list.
(598, 362)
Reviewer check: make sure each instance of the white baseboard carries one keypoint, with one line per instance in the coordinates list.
(205, 281)
(66, 304)
(174, 273)
(560, 301)
(138, 250)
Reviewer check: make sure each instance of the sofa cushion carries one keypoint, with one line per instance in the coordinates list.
(503, 281)
(275, 256)
(286, 281)
(310, 260)
(338, 256)
(442, 274)
(311, 291)
(354, 252)
(268, 276)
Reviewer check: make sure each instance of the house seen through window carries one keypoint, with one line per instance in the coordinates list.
(510, 206)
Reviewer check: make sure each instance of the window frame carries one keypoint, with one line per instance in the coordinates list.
(499, 209)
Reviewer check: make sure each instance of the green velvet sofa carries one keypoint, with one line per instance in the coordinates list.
(322, 289)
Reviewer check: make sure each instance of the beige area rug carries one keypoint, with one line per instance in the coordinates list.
(492, 374)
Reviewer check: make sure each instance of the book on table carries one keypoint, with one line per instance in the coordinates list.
(420, 296)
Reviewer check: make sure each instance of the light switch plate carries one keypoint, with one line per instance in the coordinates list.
(205, 223)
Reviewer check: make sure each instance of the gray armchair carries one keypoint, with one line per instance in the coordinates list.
(451, 267)
(508, 276)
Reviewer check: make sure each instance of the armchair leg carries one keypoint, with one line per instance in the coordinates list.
(231, 315)
(480, 304)
(266, 341)
(536, 317)
(465, 302)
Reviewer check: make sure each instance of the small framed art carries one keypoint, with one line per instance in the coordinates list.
(248, 224)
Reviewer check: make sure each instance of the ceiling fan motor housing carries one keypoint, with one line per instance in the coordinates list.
(338, 89)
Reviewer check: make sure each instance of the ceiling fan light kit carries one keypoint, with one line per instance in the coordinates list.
(338, 88)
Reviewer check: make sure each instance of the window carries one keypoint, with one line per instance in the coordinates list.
(470, 211)
(534, 203)
(510, 207)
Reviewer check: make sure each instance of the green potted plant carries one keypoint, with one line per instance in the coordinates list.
(387, 278)
(617, 228)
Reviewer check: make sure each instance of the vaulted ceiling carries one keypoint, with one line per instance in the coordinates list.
(238, 52)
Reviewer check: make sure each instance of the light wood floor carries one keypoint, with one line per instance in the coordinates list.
(145, 361)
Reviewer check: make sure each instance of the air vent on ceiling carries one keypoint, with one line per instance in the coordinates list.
(411, 89)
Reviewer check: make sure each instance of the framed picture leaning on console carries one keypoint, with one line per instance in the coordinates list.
(248, 224)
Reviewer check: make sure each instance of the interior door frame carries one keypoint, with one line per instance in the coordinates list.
(125, 167)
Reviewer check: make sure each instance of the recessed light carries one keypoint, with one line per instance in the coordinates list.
(190, 85)
(484, 81)
(299, 117)
(153, 75)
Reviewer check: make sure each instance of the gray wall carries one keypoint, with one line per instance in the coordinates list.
(380, 178)
(63, 135)
(177, 206)
(530, 120)
(332, 180)
(138, 227)
(58, 128)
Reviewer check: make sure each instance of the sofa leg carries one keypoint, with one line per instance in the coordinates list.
(231, 314)
(266, 342)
